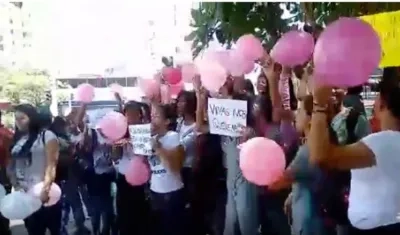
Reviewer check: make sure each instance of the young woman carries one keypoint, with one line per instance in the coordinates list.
(132, 206)
(34, 159)
(209, 180)
(99, 175)
(186, 108)
(166, 186)
(305, 212)
(373, 161)
(268, 110)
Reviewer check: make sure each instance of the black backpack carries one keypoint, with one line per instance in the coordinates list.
(333, 186)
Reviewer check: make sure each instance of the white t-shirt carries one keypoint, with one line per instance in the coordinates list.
(184, 131)
(163, 180)
(374, 198)
(122, 164)
(32, 172)
(102, 155)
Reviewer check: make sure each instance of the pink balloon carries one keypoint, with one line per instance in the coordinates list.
(116, 88)
(188, 72)
(239, 65)
(113, 126)
(212, 74)
(222, 57)
(54, 194)
(262, 160)
(138, 172)
(346, 53)
(175, 89)
(172, 75)
(250, 47)
(165, 94)
(84, 93)
(149, 87)
(293, 48)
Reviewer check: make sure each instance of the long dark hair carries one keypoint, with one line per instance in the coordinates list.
(34, 129)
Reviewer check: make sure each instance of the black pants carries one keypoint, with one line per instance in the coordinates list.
(169, 213)
(43, 219)
(393, 229)
(132, 208)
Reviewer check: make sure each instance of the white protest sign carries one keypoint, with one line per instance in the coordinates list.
(141, 139)
(226, 117)
(94, 115)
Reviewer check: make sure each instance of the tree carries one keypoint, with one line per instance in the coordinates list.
(25, 86)
(229, 20)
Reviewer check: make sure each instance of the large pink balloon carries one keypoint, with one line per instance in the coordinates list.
(293, 48)
(212, 74)
(54, 194)
(113, 126)
(250, 47)
(239, 65)
(84, 93)
(138, 172)
(346, 53)
(262, 160)
(150, 87)
(188, 72)
(172, 75)
(222, 57)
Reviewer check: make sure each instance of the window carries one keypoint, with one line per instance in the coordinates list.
(24, 34)
(12, 31)
(11, 21)
(120, 81)
(13, 42)
(73, 82)
(1, 47)
(131, 81)
(1, 38)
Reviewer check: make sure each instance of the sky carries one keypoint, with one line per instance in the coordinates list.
(89, 36)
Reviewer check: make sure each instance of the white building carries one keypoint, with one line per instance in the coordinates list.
(15, 35)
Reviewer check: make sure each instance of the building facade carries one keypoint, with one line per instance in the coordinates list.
(15, 35)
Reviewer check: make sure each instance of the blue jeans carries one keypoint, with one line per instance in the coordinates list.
(169, 212)
(241, 217)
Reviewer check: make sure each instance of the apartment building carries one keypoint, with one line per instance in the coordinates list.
(15, 35)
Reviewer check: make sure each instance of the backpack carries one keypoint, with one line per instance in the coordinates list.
(333, 186)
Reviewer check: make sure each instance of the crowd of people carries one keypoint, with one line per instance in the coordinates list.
(340, 179)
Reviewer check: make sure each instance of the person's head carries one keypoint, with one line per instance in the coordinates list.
(27, 118)
(59, 126)
(163, 119)
(262, 84)
(388, 101)
(303, 114)
(145, 113)
(248, 86)
(133, 112)
(356, 90)
(228, 88)
(187, 103)
(262, 110)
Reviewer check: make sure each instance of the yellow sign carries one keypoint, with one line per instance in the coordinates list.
(387, 25)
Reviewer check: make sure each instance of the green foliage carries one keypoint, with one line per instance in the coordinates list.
(229, 20)
(25, 86)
